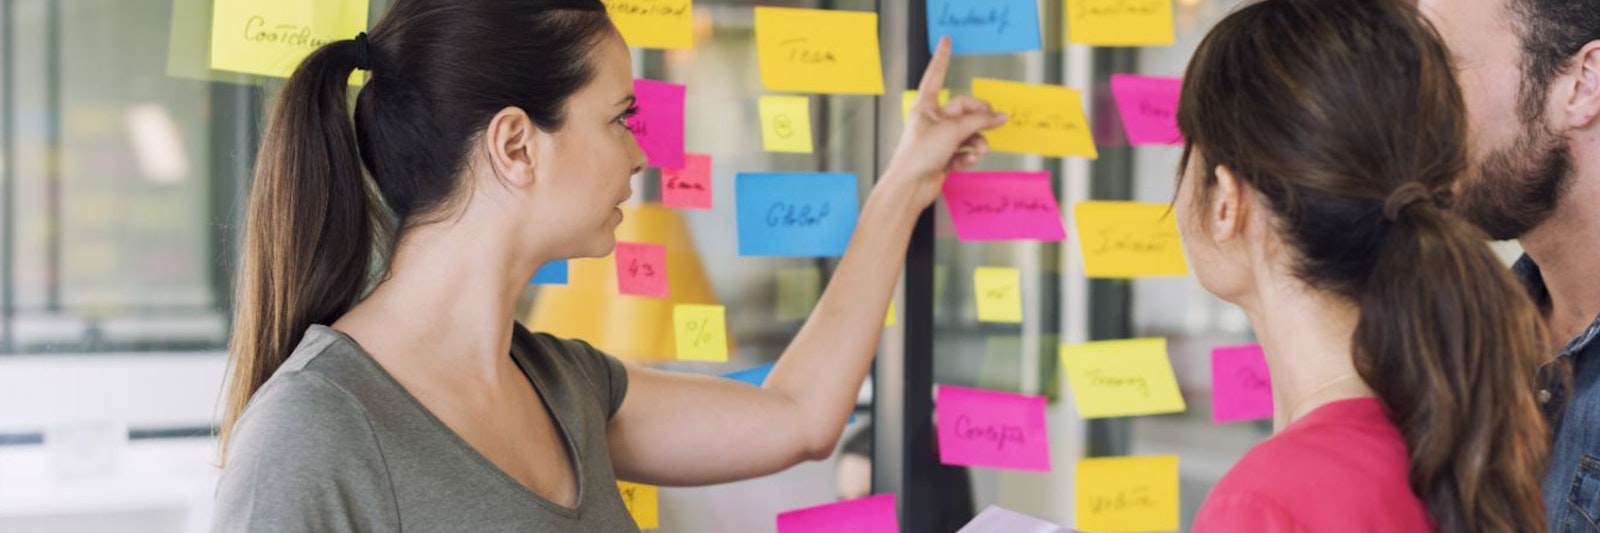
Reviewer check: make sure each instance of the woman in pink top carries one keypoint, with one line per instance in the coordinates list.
(1323, 137)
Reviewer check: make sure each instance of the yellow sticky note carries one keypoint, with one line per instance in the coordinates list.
(786, 124)
(999, 294)
(889, 319)
(909, 98)
(1128, 494)
(654, 23)
(1041, 119)
(1122, 378)
(1129, 240)
(701, 332)
(798, 291)
(644, 503)
(272, 37)
(818, 50)
(1119, 22)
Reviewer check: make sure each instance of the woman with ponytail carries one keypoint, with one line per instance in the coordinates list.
(378, 381)
(1323, 138)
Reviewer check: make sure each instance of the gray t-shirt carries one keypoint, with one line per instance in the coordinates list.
(332, 443)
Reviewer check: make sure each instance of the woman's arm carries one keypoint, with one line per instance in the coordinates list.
(675, 429)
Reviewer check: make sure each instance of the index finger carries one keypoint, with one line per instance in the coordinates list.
(933, 76)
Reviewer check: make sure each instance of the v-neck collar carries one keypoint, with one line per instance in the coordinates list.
(575, 463)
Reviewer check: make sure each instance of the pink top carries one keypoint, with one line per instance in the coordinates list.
(1340, 468)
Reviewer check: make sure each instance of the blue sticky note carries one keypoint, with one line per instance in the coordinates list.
(795, 214)
(756, 375)
(552, 273)
(984, 26)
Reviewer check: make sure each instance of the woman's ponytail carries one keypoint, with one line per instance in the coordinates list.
(310, 228)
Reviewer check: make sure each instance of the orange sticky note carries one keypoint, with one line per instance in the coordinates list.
(1129, 240)
(818, 50)
(999, 294)
(1119, 22)
(654, 23)
(272, 37)
(701, 332)
(1127, 494)
(642, 269)
(1040, 119)
(644, 503)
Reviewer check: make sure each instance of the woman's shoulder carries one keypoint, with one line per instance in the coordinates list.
(309, 398)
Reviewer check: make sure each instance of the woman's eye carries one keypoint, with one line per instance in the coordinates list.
(622, 120)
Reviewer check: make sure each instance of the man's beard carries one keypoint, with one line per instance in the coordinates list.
(1516, 188)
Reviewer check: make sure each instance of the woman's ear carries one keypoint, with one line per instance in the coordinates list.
(1229, 206)
(510, 140)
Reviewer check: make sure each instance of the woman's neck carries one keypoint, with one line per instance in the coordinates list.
(1307, 336)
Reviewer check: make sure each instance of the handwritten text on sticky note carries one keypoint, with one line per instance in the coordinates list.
(984, 26)
(659, 125)
(643, 502)
(688, 187)
(700, 332)
(999, 294)
(984, 428)
(873, 514)
(1128, 494)
(654, 23)
(1129, 240)
(999, 206)
(552, 273)
(1149, 108)
(818, 51)
(272, 37)
(786, 124)
(1122, 378)
(1241, 387)
(642, 269)
(795, 214)
(1040, 119)
(1119, 22)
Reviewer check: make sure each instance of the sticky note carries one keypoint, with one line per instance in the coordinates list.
(659, 125)
(795, 214)
(665, 24)
(999, 294)
(908, 99)
(984, 26)
(642, 269)
(889, 319)
(1040, 119)
(688, 187)
(756, 375)
(996, 519)
(798, 291)
(1149, 108)
(1241, 387)
(872, 514)
(272, 37)
(1127, 494)
(1129, 240)
(1119, 22)
(992, 429)
(552, 273)
(818, 50)
(786, 124)
(1003, 206)
(701, 332)
(1122, 378)
(644, 503)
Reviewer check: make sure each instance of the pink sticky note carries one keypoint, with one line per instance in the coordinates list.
(1241, 388)
(991, 429)
(1149, 108)
(872, 514)
(642, 269)
(1000, 206)
(659, 125)
(688, 187)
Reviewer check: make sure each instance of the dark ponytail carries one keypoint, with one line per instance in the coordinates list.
(1346, 116)
(317, 232)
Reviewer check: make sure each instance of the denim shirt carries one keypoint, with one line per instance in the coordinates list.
(1572, 485)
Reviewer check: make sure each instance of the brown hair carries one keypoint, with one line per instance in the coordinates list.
(1346, 117)
(317, 230)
